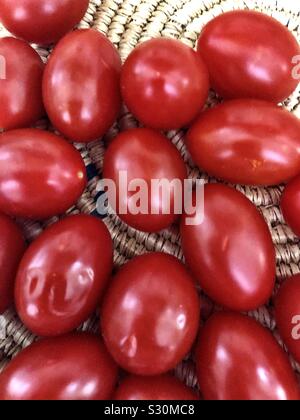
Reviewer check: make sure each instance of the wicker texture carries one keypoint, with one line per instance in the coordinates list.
(127, 23)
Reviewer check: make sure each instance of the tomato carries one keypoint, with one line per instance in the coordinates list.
(171, 80)
(162, 387)
(249, 55)
(41, 175)
(72, 367)
(81, 85)
(290, 205)
(63, 275)
(146, 155)
(43, 21)
(287, 314)
(238, 359)
(12, 247)
(247, 142)
(21, 72)
(150, 314)
(231, 253)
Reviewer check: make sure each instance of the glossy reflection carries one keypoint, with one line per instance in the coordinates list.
(71, 367)
(247, 142)
(150, 314)
(237, 359)
(249, 55)
(41, 175)
(63, 274)
(231, 253)
(43, 21)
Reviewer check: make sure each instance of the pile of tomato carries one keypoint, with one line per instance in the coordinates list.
(150, 309)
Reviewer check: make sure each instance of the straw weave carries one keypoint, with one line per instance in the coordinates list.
(128, 23)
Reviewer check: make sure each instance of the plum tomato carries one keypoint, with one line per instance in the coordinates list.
(290, 205)
(63, 274)
(150, 314)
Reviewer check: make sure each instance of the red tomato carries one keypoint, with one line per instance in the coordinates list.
(164, 83)
(238, 359)
(290, 205)
(41, 21)
(41, 175)
(63, 274)
(12, 247)
(150, 314)
(287, 313)
(162, 387)
(81, 85)
(72, 367)
(231, 253)
(145, 154)
(247, 142)
(21, 72)
(249, 55)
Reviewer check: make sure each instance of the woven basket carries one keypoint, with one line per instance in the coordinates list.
(127, 23)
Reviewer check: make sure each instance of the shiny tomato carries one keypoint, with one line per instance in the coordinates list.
(150, 314)
(287, 314)
(249, 55)
(247, 142)
(81, 85)
(21, 72)
(72, 367)
(12, 247)
(164, 83)
(146, 155)
(41, 21)
(238, 359)
(41, 175)
(290, 205)
(63, 275)
(231, 253)
(162, 387)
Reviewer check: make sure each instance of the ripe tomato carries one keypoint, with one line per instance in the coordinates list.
(231, 253)
(21, 72)
(12, 247)
(164, 83)
(72, 367)
(81, 85)
(146, 155)
(41, 175)
(162, 387)
(247, 142)
(287, 314)
(238, 359)
(63, 274)
(290, 205)
(42, 21)
(249, 55)
(150, 314)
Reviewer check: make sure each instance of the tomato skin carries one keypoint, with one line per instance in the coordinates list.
(43, 175)
(231, 253)
(12, 247)
(63, 275)
(247, 142)
(42, 22)
(156, 291)
(238, 359)
(81, 85)
(244, 61)
(20, 85)
(290, 204)
(171, 80)
(72, 367)
(287, 314)
(162, 387)
(141, 152)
